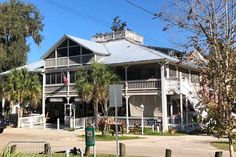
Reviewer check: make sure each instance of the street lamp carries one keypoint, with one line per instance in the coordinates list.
(142, 109)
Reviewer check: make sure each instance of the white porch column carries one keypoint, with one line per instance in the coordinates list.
(127, 113)
(43, 100)
(163, 100)
(186, 105)
(3, 106)
(181, 103)
(181, 112)
(126, 99)
(171, 111)
(43, 94)
(189, 75)
(177, 72)
(68, 84)
(167, 71)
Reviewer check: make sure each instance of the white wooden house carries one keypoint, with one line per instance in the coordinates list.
(152, 76)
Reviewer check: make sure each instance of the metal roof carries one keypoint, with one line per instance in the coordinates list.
(121, 51)
(32, 67)
(116, 51)
(96, 48)
(125, 51)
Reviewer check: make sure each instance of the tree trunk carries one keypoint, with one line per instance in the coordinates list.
(106, 119)
(231, 147)
(96, 114)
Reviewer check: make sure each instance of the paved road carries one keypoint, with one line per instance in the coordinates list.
(182, 146)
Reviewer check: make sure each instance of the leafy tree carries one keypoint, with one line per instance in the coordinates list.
(21, 85)
(211, 30)
(118, 25)
(93, 85)
(19, 21)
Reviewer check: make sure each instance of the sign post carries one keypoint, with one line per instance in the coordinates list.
(73, 107)
(115, 98)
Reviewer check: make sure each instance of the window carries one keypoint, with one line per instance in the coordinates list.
(59, 78)
(195, 78)
(72, 76)
(147, 73)
(185, 72)
(64, 44)
(72, 43)
(120, 71)
(53, 79)
(85, 51)
(133, 74)
(172, 71)
(52, 55)
(62, 52)
(48, 80)
(73, 51)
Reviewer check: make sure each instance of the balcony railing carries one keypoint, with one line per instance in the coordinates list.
(55, 88)
(150, 85)
(69, 61)
(143, 84)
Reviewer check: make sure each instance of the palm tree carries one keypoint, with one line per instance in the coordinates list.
(21, 84)
(34, 89)
(94, 85)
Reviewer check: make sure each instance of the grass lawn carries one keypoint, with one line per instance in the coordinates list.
(164, 134)
(148, 131)
(221, 145)
(113, 138)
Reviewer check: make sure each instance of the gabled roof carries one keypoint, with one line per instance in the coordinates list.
(122, 51)
(32, 67)
(96, 48)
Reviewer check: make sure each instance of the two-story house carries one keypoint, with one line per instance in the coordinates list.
(153, 76)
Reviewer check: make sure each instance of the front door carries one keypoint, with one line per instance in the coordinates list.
(54, 111)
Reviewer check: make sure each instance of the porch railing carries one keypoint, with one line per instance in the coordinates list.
(142, 84)
(136, 85)
(78, 123)
(172, 84)
(174, 122)
(69, 61)
(147, 121)
(30, 121)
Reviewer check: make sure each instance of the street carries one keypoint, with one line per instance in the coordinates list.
(181, 146)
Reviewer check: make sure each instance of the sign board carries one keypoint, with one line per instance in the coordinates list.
(56, 99)
(115, 95)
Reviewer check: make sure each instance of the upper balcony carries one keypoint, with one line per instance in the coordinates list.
(181, 85)
(69, 61)
(137, 87)
(134, 87)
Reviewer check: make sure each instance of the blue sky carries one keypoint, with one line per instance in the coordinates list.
(58, 22)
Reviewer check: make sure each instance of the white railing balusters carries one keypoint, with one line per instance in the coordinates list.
(143, 84)
(31, 121)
